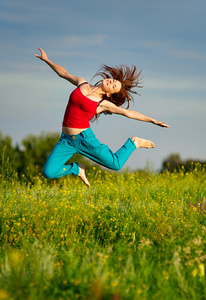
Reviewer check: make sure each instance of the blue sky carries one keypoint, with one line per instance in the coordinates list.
(164, 38)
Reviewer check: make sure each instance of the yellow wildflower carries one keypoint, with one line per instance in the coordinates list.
(201, 268)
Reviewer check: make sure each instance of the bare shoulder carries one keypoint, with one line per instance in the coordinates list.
(84, 87)
(80, 80)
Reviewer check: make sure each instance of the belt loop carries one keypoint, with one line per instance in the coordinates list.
(83, 134)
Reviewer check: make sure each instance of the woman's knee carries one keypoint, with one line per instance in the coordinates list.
(48, 173)
(115, 166)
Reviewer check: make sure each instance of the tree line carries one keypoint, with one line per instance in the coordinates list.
(29, 158)
(174, 163)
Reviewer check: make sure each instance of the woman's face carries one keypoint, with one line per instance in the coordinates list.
(111, 86)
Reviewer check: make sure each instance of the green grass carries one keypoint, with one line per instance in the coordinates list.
(130, 236)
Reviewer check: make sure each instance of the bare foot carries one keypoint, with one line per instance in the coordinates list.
(82, 175)
(141, 143)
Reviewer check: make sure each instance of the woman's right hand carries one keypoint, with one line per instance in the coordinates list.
(43, 55)
(76, 80)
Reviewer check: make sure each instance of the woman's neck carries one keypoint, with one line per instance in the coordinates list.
(97, 91)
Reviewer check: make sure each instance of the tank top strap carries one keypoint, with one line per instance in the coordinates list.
(100, 102)
(82, 84)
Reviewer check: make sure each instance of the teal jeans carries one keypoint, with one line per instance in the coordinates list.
(85, 144)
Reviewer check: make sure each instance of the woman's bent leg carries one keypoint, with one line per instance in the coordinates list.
(100, 153)
(55, 165)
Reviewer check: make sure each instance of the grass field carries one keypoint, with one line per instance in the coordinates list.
(130, 236)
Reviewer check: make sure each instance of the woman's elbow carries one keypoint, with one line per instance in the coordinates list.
(128, 114)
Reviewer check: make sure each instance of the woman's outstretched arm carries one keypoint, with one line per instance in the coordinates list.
(76, 80)
(132, 114)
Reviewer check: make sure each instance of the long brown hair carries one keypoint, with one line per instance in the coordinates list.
(129, 78)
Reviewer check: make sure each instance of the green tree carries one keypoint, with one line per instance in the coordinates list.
(172, 162)
(7, 151)
(35, 151)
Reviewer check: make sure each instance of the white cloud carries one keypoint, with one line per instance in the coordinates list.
(153, 44)
(176, 83)
(12, 17)
(171, 48)
(77, 41)
(189, 54)
(25, 11)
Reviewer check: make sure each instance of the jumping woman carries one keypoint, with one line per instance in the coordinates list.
(85, 103)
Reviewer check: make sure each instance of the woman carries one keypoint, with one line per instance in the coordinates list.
(86, 102)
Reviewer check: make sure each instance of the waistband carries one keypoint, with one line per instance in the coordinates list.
(84, 134)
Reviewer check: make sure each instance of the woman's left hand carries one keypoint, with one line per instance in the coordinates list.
(162, 124)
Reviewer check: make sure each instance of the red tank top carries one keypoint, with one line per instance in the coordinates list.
(80, 110)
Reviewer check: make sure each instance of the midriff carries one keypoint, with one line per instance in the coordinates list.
(72, 131)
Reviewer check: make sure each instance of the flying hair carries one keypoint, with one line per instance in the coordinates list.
(129, 78)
